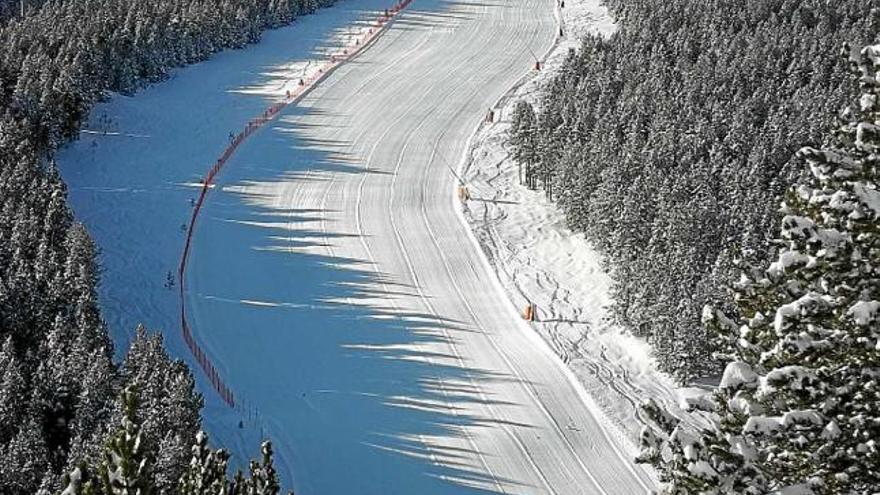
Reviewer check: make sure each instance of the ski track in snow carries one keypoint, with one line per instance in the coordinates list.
(332, 279)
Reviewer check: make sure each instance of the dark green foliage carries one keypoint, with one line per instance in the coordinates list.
(670, 145)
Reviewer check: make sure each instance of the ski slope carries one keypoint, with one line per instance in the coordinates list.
(332, 278)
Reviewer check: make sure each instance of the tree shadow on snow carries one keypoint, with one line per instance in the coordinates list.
(343, 362)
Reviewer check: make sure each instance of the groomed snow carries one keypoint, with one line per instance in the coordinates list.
(330, 280)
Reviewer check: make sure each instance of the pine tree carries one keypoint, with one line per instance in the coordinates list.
(523, 138)
(239, 485)
(93, 408)
(12, 389)
(169, 405)
(264, 479)
(125, 467)
(206, 473)
(799, 406)
(24, 460)
(77, 482)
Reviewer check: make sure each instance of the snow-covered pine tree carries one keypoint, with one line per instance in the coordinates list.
(264, 478)
(798, 409)
(12, 388)
(93, 408)
(77, 482)
(25, 459)
(81, 276)
(206, 473)
(169, 406)
(309, 6)
(125, 467)
(239, 485)
(523, 138)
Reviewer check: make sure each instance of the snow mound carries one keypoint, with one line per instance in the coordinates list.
(737, 374)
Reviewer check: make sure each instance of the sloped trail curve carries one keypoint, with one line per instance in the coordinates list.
(345, 295)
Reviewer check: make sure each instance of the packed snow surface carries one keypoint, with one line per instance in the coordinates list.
(331, 281)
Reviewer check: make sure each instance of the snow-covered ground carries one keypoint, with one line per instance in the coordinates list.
(331, 280)
(539, 260)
